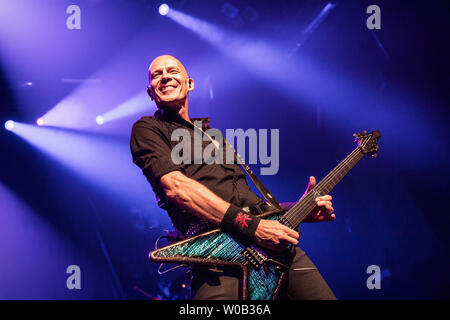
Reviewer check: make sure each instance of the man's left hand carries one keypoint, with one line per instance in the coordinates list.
(324, 209)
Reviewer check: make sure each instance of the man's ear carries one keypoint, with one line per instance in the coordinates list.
(149, 92)
(190, 84)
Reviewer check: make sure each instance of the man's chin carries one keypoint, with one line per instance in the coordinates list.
(168, 99)
(173, 105)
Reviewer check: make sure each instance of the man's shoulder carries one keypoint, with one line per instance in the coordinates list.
(148, 126)
(147, 122)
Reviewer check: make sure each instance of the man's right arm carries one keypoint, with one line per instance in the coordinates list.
(198, 200)
(151, 151)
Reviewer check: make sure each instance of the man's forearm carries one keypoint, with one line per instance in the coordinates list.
(198, 200)
(194, 197)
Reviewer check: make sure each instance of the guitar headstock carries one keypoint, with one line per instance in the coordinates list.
(368, 142)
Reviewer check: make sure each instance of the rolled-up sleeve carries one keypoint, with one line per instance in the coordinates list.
(151, 150)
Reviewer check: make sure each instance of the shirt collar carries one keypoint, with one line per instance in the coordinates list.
(170, 116)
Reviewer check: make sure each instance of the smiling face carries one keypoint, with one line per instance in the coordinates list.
(169, 83)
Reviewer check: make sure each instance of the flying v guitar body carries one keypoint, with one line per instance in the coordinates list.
(262, 277)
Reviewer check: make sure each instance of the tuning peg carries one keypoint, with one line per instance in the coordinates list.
(374, 155)
(360, 134)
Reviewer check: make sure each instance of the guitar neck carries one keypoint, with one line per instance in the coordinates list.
(302, 208)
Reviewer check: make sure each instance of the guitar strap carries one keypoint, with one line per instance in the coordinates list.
(268, 196)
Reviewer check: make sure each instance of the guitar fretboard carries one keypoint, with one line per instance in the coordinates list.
(302, 208)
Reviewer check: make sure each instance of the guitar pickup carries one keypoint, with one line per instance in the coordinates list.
(253, 257)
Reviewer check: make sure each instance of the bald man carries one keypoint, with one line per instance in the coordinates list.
(200, 196)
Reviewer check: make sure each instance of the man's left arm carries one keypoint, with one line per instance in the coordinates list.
(322, 212)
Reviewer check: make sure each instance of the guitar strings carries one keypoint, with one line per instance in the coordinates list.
(332, 177)
(307, 200)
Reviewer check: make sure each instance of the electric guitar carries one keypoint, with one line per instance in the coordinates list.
(263, 271)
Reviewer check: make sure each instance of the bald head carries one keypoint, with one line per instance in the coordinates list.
(163, 60)
(169, 82)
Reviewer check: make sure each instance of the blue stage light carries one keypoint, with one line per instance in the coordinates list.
(40, 122)
(9, 125)
(163, 9)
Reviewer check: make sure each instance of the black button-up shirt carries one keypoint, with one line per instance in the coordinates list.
(151, 148)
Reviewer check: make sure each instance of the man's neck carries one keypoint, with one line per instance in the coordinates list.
(184, 114)
(170, 113)
(181, 111)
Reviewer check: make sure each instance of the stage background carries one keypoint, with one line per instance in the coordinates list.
(70, 194)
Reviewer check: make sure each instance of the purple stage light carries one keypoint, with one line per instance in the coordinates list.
(24, 27)
(103, 161)
(24, 84)
(78, 81)
(100, 120)
(350, 102)
(40, 122)
(313, 25)
(163, 9)
(205, 30)
(9, 125)
(134, 105)
(105, 91)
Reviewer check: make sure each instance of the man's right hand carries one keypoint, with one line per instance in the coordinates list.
(275, 236)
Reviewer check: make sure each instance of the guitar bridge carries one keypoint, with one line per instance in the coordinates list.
(253, 257)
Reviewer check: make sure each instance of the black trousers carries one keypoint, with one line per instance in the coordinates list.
(223, 284)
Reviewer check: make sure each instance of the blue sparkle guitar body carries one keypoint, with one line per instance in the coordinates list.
(216, 248)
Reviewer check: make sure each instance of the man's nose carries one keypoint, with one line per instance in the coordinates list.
(165, 75)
